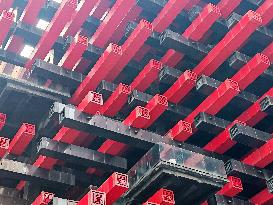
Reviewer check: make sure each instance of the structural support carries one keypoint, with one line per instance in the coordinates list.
(114, 187)
(116, 101)
(166, 16)
(156, 106)
(233, 40)
(100, 70)
(232, 188)
(130, 47)
(223, 142)
(92, 103)
(147, 76)
(6, 21)
(265, 10)
(22, 139)
(111, 21)
(200, 26)
(53, 30)
(181, 87)
(79, 17)
(74, 52)
(227, 7)
(262, 197)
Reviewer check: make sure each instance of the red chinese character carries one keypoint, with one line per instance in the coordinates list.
(232, 84)
(96, 98)
(82, 40)
(4, 143)
(8, 15)
(47, 197)
(236, 182)
(3, 117)
(126, 89)
(156, 64)
(189, 75)
(168, 195)
(98, 198)
(29, 128)
(122, 180)
(185, 126)
(146, 24)
(162, 100)
(143, 112)
(115, 48)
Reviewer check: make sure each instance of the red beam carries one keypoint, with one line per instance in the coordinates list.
(262, 198)
(93, 197)
(195, 31)
(222, 142)
(253, 69)
(156, 106)
(262, 156)
(147, 76)
(31, 11)
(15, 44)
(212, 105)
(43, 199)
(191, 4)
(138, 118)
(6, 21)
(182, 130)
(42, 162)
(116, 101)
(29, 16)
(83, 65)
(142, 52)
(74, 52)
(163, 197)
(130, 47)
(172, 58)
(181, 87)
(92, 103)
(53, 30)
(79, 17)
(111, 21)
(100, 8)
(100, 70)
(22, 139)
(166, 16)
(216, 100)
(253, 114)
(3, 118)
(269, 52)
(114, 187)
(233, 40)
(132, 15)
(4, 146)
(228, 6)
(232, 188)
(203, 22)
(6, 4)
(266, 10)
